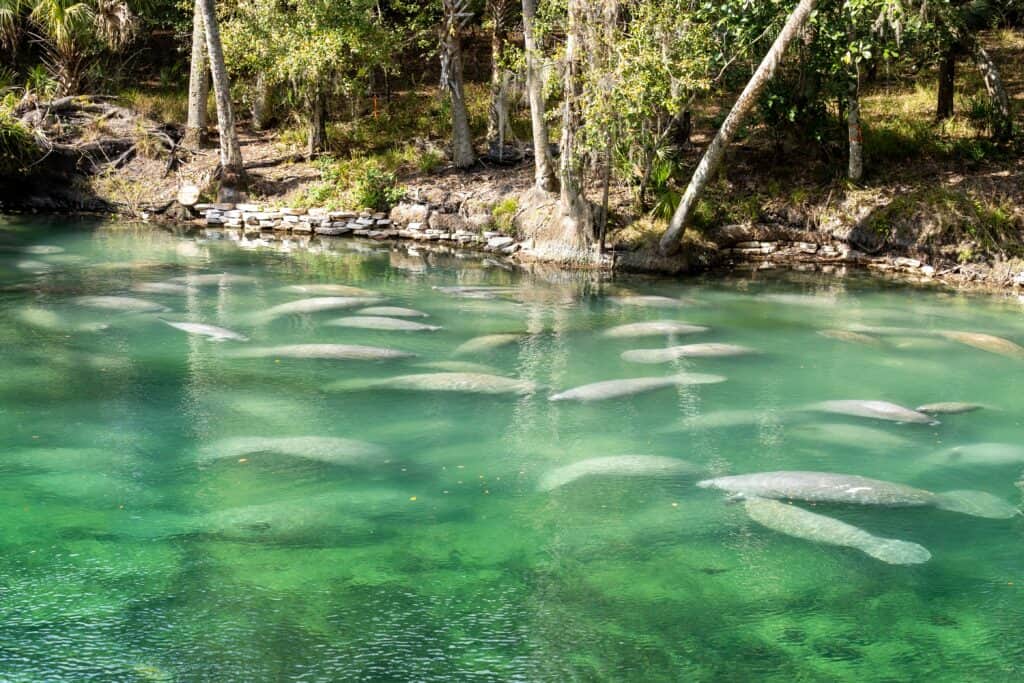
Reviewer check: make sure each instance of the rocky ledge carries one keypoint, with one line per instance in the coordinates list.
(406, 221)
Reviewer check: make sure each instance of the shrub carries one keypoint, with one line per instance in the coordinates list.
(504, 213)
(377, 188)
(17, 145)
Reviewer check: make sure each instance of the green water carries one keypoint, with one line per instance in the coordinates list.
(125, 556)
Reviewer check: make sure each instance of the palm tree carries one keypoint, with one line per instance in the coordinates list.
(10, 13)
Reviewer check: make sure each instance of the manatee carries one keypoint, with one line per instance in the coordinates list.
(324, 352)
(647, 301)
(849, 336)
(162, 288)
(469, 290)
(618, 388)
(215, 333)
(45, 319)
(214, 280)
(987, 342)
(850, 435)
(981, 454)
(460, 366)
(329, 290)
(122, 304)
(878, 410)
(315, 305)
(810, 526)
(849, 489)
(43, 250)
(651, 356)
(814, 300)
(461, 382)
(373, 322)
(888, 330)
(333, 450)
(653, 328)
(617, 466)
(34, 267)
(722, 419)
(488, 342)
(393, 312)
(950, 408)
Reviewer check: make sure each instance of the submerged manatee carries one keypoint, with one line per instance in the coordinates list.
(617, 466)
(162, 288)
(981, 454)
(372, 322)
(950, 408)
(121, 304)
(393, 312)
(324, 352)
(460, 382)
(849, 435)
(878, 410)
(617, 388)
(315, 305)
(850, 489)
(851, 337)
(653, 328)
(460, 366)
(652, 356)
(488, 342)
(329, 290)
(648, 301)
(987, 342)
(214, 280)
(333, 450)
(810, 526)
(211, 331)
(44, 319)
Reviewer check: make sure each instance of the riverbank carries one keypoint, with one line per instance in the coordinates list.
(940, 203)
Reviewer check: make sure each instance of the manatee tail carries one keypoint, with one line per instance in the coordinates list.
(892, 551)
(976, 504)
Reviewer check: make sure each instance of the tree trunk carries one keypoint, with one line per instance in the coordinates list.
(499, 128)
(947, 84)
(577, 218)
(856, 133)
(1003, 128)
(198, 84)
(670, 241)
(463, 155)
(261, 104)
(230, 151)
(544, 167)
(316, 141)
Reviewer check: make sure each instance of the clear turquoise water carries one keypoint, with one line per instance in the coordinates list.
(124, 557)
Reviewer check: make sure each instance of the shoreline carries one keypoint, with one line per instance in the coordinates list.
(779, 249)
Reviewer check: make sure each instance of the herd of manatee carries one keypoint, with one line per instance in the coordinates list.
(767, 497)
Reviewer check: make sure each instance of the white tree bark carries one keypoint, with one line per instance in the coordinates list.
(996, 90)
(577, 218)
(463, 154)
(544, 167)
(670, 241)
(198, 83)
(855, 171)
(230, 151)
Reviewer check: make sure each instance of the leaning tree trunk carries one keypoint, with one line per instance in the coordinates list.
(316, 142)
(198, 84)
(230, 151)
(1003, 128)
(670, 241)
(463, 155)
(544, 167)
(947, 86)
(577, 218)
